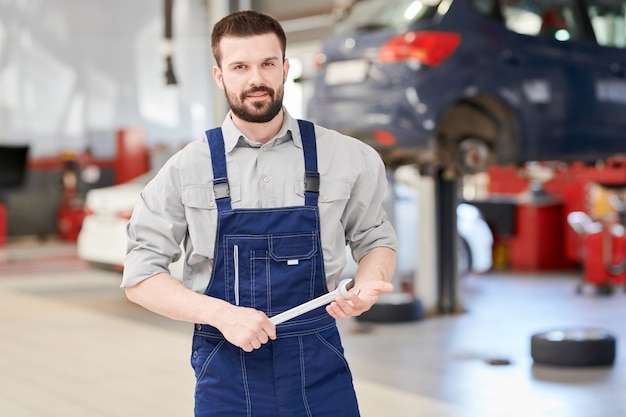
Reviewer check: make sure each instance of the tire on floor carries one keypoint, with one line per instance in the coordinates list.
(573, 347)
(394, 307)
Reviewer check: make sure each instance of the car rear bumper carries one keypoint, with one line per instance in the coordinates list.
(102, 242)
(393, 119)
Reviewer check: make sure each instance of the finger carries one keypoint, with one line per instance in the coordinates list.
(340, 308)
(270, 330)
(334, 310)
(354, 297)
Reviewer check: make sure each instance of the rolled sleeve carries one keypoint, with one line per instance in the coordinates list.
(156, 228)
(367, 223)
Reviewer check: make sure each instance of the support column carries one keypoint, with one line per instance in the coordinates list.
(446, 201)
(436, 279)
(217, 9)
(427, 270)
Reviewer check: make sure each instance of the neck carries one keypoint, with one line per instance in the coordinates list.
(259, 132)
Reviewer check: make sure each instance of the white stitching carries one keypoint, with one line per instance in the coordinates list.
(303, 378)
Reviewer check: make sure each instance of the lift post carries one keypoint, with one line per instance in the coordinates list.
(436, 280)
(446, 202)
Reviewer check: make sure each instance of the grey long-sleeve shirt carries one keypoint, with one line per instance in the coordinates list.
(178, 205)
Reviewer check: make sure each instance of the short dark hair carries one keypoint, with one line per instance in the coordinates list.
(243, 24)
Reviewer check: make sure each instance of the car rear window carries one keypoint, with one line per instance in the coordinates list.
(555, 19)
(367, 15)
(562, 20)
(608, 19)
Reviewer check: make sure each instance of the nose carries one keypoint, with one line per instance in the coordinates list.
(256, 77)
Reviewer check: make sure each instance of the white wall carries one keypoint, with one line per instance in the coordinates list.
(74, 71)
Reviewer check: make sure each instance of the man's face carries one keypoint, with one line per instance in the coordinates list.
(252, 76)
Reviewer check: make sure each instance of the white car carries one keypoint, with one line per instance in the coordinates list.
(476, 240)
(102, 239)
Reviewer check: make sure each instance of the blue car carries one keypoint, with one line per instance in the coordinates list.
(466, 83)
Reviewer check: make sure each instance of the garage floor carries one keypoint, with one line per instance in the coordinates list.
(72, 346)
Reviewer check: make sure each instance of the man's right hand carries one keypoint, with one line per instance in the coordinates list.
(245, 327)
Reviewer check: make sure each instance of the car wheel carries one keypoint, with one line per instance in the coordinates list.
(473, 155)
(473, 134)
(573, 347)
(394, 307)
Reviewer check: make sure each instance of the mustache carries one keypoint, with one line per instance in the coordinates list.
(256, 90)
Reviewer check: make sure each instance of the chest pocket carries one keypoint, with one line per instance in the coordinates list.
(292, 247)
(332, 191)
(201, 215)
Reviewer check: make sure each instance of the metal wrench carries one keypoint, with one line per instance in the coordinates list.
(342, 289)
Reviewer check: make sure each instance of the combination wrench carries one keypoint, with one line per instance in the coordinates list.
(341, 290)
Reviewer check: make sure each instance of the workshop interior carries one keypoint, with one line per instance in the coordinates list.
(501, 124)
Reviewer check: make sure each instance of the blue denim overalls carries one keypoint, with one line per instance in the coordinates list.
(271, 260)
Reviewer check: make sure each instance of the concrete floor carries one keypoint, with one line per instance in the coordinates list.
(71, 345)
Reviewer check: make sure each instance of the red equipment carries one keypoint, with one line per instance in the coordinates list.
(603, 253)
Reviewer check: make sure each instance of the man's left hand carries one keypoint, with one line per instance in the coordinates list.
(358, 303)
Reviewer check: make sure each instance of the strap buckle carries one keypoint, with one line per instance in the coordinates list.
(221, 188)
(312, 182)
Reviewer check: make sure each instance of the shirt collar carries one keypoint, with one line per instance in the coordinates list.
(233, 136)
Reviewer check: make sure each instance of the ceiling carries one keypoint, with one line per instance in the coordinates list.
(302, 20)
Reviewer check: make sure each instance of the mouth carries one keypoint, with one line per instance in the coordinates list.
(258, 94)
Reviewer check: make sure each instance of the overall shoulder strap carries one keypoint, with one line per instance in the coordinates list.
(220, 175)
(311, 175)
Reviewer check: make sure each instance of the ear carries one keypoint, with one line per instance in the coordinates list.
(218, 76)
(285, 69)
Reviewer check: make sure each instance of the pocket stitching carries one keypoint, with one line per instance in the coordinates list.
(211, 355)
(306, 255)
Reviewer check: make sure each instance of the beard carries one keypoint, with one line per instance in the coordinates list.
(256, 112)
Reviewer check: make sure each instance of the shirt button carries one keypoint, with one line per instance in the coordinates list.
(211, 204)
(266, 180)
(264, 148)
(324, 197)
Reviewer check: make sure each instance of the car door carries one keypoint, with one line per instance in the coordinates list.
(543, 55)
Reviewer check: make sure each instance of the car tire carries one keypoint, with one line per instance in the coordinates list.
(475, 133)
(394, 307)
(573, 347)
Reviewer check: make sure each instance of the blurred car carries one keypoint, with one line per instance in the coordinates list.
(467, 83)
(476, 239)
(102, 238)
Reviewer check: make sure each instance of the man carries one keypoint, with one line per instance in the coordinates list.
(264, 206)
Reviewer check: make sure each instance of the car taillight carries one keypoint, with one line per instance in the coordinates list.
(384, 138)
(319, 59)
(124, 214)
(429, 48)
